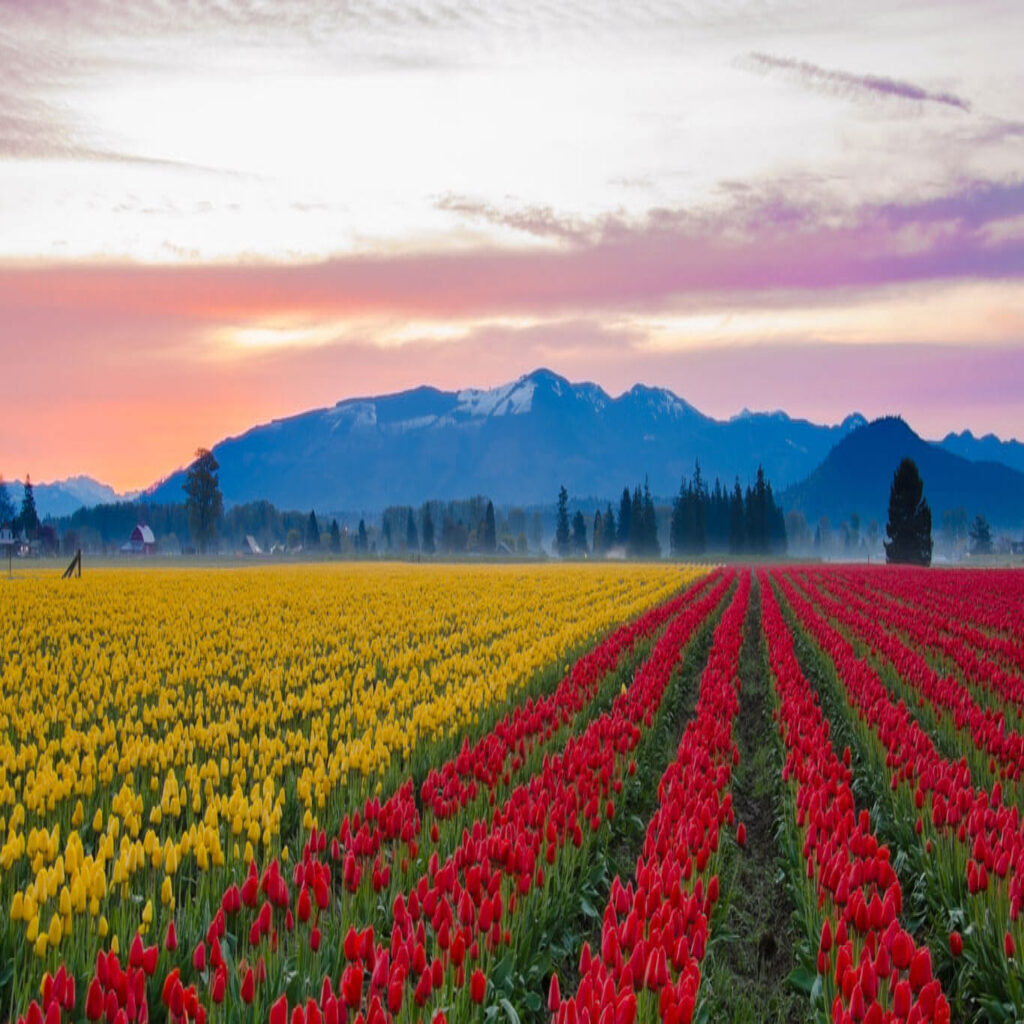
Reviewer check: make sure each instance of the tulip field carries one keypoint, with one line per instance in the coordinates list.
(606, 793)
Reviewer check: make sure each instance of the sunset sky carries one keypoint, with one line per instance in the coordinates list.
(216, 214)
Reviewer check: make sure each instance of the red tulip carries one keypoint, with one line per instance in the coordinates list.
(956, 943)
(94, 1000)
(1009, 945)
(248, 987)
(279, 1011)
(921, 969)
(219, 986)
(477, 986)
(554, 994)
(171, 939)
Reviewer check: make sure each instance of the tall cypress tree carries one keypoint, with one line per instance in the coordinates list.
(489, 534)
(312, 531)
(737, 519)
(29, 517)
(651, 546)
(562, 522)
(700, 511)
(625, 519)
(609, 527)
(598, 533)
(909, 528)
(636, 523)
(679, 527)
(579, 534)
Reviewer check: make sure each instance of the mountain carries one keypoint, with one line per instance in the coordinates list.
(62, 497)
(516, 443)
(985, 449)
(856, 474)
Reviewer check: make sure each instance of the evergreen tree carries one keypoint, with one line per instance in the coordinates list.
(412, 539)
(651, 547)
(737, 519)
(203, 500)
(608, 531)
(386, 533)
(625, 519)
(598, 528)
(489, 533)
(636, 523)
(579, 534)
(700, 511)
(718, 517)
(361, 542)
(428, 531)
(679, 525)
(909, 528)
(981, 536)
(29, 517)
(757, 515)
(312, 531)
(335, 536)
(6, 505)
(562, 523)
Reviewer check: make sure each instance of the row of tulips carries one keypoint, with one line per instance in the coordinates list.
(992, 600)
(484, 765)
(966, 843)
(990, 662)
(655, 927)
(281, 916)
(449, 926)
(495, 759)
(869, 966)
(945, 695)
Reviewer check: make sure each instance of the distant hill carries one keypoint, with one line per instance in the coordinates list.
(516, 443)
(857, 473)
(62, 497)
(985, 449)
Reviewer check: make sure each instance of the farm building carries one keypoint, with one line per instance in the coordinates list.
(141, 542)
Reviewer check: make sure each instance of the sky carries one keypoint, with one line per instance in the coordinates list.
(214, 214)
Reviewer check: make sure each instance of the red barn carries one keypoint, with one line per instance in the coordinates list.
(141, 542)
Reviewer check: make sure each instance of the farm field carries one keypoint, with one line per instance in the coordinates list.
(600, 793)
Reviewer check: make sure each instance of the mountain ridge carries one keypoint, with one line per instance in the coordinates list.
(517, 442)
(856, 475)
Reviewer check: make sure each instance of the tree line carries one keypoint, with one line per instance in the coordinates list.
(702, 519)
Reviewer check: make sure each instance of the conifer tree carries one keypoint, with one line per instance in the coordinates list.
(579, 534)
(412, 538)
(625, 518)
(562, 522)
(909, 528)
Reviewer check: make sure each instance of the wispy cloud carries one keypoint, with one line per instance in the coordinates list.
(846, 83)
(538, 221)
(669, 258)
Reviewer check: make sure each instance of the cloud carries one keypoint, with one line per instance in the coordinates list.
(671, 258)
(851, 85)
(539, 221)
